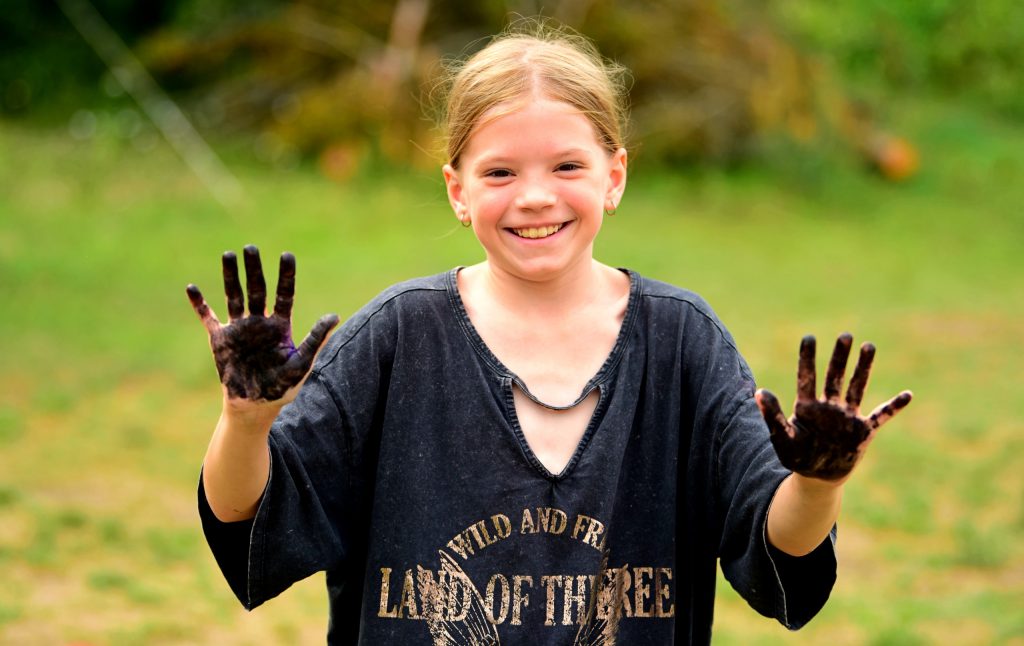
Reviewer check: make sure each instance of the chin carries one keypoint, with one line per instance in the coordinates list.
(543, 271)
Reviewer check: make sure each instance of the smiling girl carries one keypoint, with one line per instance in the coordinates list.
(538, 448)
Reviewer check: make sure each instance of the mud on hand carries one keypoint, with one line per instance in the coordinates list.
(826, 437)
(255, 355)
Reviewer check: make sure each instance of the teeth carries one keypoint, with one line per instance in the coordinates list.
(533, 232)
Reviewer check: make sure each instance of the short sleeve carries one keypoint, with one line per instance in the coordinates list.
(296, 530)
(315, 505)
(229, 543)
(733, 472)
(790, 589)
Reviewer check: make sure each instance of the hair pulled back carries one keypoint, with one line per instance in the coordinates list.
(532, 58)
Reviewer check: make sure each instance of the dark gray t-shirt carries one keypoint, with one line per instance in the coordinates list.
(401, 470)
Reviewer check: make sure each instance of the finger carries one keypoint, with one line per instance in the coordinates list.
(232, 286)
(315, 339)
(859, 381)
(889, 409)
(254, 283)
(772, 412)
(837, 367)
(285, 286)
(805, 376)
(206, 315)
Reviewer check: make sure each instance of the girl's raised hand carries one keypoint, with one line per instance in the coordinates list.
(256, 357)
(825, 437)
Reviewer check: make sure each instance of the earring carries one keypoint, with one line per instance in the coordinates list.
(464, 219)
(610, 210)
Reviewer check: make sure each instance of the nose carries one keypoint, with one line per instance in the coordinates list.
(535, 195)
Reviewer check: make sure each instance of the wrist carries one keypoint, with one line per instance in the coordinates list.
(248, 415)
(802, 513)
(816, 487)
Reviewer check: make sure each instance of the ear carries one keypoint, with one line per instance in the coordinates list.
(616, 178)
(454, 187)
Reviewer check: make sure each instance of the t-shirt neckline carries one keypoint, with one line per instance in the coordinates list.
(507, 377)
(495, 365)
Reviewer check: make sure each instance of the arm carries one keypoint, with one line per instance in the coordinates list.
(802, 514)
(237, 462)
(260, 370)
(821, 443)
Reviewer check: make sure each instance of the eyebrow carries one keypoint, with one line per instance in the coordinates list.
(569, 152)
(502, 159)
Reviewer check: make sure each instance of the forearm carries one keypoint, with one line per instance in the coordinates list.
(803, 513)
(237, 463)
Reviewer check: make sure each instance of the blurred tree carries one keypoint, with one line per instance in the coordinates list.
(959, 48)
(44, 61)
(317, 78)
(713, 79)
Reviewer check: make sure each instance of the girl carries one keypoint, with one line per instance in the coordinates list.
(535, 449)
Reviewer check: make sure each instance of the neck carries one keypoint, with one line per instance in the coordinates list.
(568, 290)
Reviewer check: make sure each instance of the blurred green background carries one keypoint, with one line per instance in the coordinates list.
(808, 168)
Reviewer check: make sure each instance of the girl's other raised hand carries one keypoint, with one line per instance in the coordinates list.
(826, 437)
(256, 358)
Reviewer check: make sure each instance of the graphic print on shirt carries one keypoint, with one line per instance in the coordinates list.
(459, 611)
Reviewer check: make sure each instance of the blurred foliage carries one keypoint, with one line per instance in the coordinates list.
(716, 81)
(46, 66)
(960, 48)
(341, 81)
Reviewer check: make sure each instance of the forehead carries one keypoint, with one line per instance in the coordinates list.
(536, 124)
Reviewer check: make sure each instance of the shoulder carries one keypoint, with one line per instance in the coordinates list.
(667, 312)
(663, 299)
(665, 295)
(377, 321)
(408, 291)
(682, 334)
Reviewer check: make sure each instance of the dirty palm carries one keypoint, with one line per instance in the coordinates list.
(255, 355)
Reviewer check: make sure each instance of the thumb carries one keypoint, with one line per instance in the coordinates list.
(772, 412)
(302, 360)
(316, 339)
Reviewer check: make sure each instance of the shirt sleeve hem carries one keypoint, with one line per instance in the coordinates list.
(804, 583)
(237, 548)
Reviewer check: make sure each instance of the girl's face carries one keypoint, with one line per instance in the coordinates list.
(535, 183)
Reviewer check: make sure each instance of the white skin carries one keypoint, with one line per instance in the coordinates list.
(514, 174)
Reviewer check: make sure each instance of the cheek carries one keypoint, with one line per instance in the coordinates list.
(488, 203)
(587, 197)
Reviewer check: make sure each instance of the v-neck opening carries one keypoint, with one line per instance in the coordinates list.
(508, 378)
(531, 455)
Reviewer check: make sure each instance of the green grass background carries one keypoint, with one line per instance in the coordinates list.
(108, 394)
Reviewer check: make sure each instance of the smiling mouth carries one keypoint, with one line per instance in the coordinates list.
(534, 233)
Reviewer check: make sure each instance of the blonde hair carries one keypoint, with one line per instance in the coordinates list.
(528, 59)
